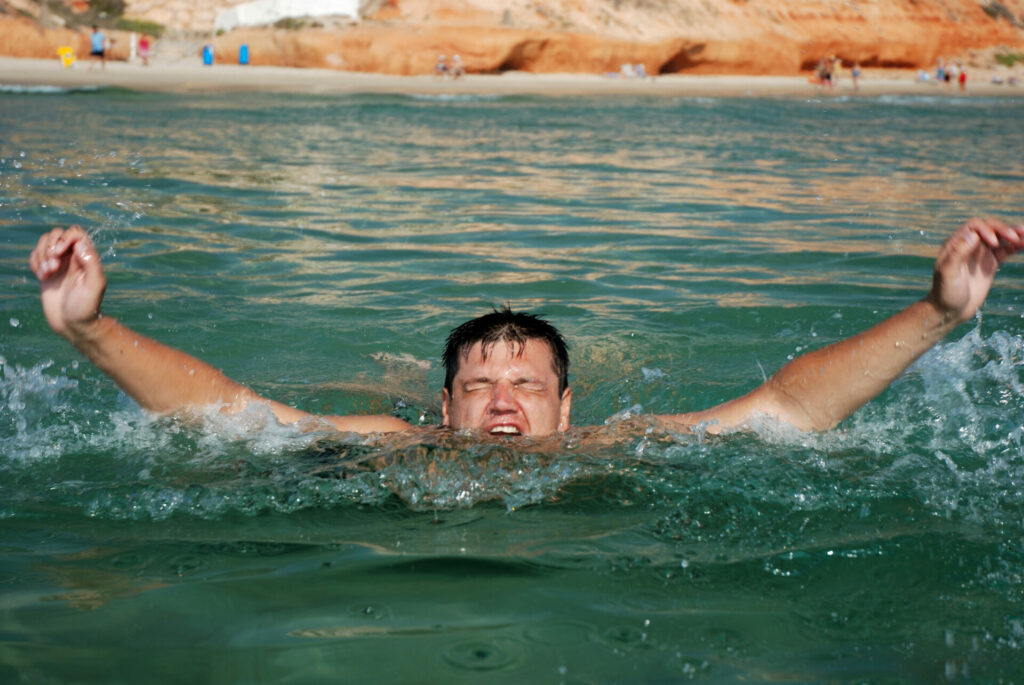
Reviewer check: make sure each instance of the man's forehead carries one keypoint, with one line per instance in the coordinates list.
(531, 351)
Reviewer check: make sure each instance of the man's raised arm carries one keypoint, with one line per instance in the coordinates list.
(821, 388)
(159, 378)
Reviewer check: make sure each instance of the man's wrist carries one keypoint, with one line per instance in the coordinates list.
(937, 318)
(86, 335)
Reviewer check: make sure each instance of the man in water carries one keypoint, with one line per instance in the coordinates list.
(507, 372)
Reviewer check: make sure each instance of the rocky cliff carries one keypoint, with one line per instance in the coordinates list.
(595, 36)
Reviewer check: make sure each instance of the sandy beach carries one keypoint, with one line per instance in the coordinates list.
(188, 77)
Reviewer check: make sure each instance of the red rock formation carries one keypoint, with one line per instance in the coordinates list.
(594, 36)
(414, 50)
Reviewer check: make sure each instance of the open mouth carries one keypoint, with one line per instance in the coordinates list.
(505, 430)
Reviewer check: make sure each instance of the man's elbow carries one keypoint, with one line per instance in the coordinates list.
(798, 411)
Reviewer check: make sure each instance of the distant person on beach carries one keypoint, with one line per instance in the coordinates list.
(962, 79)
(441, 68)
(98, 48)
(506, 373)
(144, 50)
(825, 72)
(457, 70)
(855, 75)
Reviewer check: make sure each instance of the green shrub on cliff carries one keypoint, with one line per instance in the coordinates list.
(140, 26)
(107, 8)
(1009, 58)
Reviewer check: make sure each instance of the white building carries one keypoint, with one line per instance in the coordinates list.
(264, 12)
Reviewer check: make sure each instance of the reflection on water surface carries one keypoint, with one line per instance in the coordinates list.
(320, 248)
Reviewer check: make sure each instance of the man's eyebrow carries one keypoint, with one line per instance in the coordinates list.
(487, 379)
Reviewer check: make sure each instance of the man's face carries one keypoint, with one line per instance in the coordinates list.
(514, 391)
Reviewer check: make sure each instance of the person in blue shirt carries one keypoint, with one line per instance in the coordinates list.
(97, 47)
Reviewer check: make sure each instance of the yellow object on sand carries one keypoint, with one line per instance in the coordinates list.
(67, 55)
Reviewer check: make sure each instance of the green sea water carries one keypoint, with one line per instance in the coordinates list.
(320, 248)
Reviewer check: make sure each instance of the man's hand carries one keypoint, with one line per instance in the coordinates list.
(967, 263)
(71, 280)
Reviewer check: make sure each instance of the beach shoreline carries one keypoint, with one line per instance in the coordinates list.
(197, 78)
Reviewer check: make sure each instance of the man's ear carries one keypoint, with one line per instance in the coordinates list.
(446, 400)
(563, 410)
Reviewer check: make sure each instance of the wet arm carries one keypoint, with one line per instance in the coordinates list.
(821, 388)
(165, 380)
(160, 378)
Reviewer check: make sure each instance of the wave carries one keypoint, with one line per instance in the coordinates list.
(455, 97)
(946, 100)
(43, 89)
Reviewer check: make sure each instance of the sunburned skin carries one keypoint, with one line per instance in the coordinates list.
(511, 389)
(507, 389)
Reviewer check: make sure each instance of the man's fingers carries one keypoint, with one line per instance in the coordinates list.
(960, 244)
(1000, 239)
(1007, 235)
(48, 257)
(41, 258)
(1013, 244)
(63, 240)
(985, 230)
(87, 258)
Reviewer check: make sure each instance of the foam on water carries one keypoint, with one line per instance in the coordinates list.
(18, 89)
(944, 100)
(963, 401)
(456, 97)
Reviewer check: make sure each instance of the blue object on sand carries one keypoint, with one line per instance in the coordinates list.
(207, 55)
(243, 54)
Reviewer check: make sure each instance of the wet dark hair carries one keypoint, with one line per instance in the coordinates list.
(504, 325)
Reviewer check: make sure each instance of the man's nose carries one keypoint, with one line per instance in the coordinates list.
(502, 396)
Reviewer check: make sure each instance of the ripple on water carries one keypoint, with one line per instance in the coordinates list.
(485, 655)
(626, 637)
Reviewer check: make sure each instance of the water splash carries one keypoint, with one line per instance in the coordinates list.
(946, 444)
